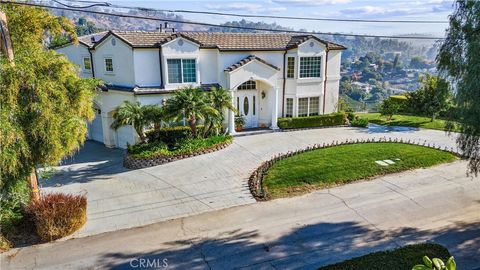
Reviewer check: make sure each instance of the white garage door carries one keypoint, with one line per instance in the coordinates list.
(95, 129)
(125, 135)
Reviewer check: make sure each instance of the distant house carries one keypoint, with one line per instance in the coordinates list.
(269, 75)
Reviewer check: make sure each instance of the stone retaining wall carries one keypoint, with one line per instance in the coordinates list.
(131, 162)
(255, 181)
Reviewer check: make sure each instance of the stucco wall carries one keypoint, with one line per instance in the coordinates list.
(122, 54)
(146, 67)
(180, 48)
(75, 54)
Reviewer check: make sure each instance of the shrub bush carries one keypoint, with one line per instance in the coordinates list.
(171, 135)
(334, 119)
(4, 244)
(180, 147)
(401, 101)
(57, 215)
(359, 122)
(351, 116)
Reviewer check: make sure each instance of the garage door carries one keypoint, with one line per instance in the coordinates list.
(95, 129)
(124, 136)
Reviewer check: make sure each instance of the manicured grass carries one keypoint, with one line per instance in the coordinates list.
(403, 258)
(345, 163)
(406, 120)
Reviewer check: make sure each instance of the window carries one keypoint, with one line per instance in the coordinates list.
(182, 71)
(289, 105)
(87, 64)
(308, 106)
(248, 85)
(313, 106)
(108, 64)
(291, 67)
(302, 107)
(310, 67)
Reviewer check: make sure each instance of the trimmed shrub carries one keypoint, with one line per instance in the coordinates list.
(401, 101)
(186, 146)
(326, 120)
(359, 122)
(57, 215)
(172, 135)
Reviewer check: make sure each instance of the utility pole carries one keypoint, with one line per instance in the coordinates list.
(7, 50)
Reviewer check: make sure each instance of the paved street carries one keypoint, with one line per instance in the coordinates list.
(120, 198)
(438, 204)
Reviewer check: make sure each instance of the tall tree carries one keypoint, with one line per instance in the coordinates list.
(458, 60)
(44, 103)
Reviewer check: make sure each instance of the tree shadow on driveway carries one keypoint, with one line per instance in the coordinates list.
(307, 247)
(92, 161)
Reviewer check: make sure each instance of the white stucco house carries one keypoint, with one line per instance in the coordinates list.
(269, 75)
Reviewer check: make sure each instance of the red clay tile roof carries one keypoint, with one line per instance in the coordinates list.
(221, 41)
(246, 60)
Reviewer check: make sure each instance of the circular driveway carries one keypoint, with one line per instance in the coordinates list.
(119, 198)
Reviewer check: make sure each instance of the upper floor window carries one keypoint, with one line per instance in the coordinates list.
(108, 64)
(87, 64)
(291, 67)
(310, 67)
(182, 71)
(248, 85)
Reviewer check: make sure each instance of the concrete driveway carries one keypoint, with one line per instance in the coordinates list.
(120, 198)
(438, 204)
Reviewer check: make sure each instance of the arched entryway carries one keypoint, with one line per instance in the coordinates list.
(254, 91)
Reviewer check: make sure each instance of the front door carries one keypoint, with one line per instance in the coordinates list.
(247, 106)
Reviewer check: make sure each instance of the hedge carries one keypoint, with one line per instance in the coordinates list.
(334, 119)
(172, 135)
(403, 258)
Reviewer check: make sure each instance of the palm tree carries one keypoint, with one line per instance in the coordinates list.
(220, 100)
(154, 114)
(130, 113)
(189, 103)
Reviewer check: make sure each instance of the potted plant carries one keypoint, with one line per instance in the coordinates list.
(239, 122)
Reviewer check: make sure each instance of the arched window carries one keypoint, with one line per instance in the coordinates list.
(248, 85)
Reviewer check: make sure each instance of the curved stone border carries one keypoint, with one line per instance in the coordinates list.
(131, 162)
(255, 182)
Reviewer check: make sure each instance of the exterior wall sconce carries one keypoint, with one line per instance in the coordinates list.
(263, 94)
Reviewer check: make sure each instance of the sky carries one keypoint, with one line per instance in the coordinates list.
(352, 9)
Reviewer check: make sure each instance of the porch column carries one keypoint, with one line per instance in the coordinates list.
(274, 109)
(231, 115)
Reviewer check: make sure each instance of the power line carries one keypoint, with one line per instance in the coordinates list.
(218, 25)
(89, 6)
(278, 17)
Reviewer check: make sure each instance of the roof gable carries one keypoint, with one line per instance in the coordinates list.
(247, 60)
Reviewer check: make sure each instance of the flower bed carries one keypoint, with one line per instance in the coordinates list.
(157, 153)
(256, 184)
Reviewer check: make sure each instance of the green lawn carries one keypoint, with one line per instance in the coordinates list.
(403, 258)
(346, 163)
(406, 120)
